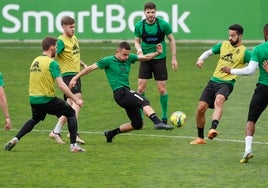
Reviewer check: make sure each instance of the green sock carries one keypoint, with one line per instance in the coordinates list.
(164, 104)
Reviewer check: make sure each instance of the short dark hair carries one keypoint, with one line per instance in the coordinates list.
(265, 28)
(67, 20)
(124, 45)
(236, 27)
(47, 42)
(149, 5)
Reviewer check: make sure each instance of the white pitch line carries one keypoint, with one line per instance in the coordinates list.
(152, 135)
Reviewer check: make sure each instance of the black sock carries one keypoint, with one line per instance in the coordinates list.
(214, 124)
(154, 118)
(200, 132)
(115, 131)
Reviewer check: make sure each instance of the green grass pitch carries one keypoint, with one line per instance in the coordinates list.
(140, 159)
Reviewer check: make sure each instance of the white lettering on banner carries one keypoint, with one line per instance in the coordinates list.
(114, 15)
(80, 25)
(94, 19)
(180, 21)
(37, 16)
(132, 17)
(119, 19)
(10, 18)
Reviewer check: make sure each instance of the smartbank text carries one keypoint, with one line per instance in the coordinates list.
(114, 19)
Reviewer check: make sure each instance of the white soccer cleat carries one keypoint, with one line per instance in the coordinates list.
(57, 137)
(76, 148)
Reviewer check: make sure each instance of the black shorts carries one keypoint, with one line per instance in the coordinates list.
(127, 98)
(132, 102)
(57, 107)
(154, 67)
(259, 102)
(76, 88)
(212, 89)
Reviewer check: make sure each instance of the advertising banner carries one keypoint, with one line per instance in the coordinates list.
(115, 19)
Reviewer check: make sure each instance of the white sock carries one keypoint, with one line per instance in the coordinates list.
(57, 128)
(15, 139)
(248, 141)
(74, 144)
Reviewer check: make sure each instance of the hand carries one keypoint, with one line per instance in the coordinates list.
(79, 102)
(139, 51)
(226, 70)
(199, 63)
(159, 48)
(72, 83)
(265, 65)
(174, 64)
(8, 124)
(84, 66)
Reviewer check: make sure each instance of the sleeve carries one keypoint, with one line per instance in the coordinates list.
(1, 80)
(247, 56)
(60, 46)
(216, 49)
(255, 54)
(137, 29)
(167, 28)
(248, 70)
(206, 54)
(54, 69)
(133, 58)
(102, 63)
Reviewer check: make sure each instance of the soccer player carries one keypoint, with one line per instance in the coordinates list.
(148, 33)
(44, 71)
(117, 68)
(68, 56)
(259, 100)
(231, 53)
(4, 105)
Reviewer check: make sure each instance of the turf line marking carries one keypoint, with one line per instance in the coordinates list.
(151, 135)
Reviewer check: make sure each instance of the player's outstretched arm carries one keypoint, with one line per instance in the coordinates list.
(203, 56)
(83, 72)
(159, 50)
(248, 70)
(64, 88)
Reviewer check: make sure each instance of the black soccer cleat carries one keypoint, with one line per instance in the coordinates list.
(109, 136)
(164, 126)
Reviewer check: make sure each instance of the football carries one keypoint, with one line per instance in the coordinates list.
(178, 118)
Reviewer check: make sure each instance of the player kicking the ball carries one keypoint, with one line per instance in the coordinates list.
(117, 68)
(220, 86)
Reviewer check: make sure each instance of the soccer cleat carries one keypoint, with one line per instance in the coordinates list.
(57, 137)
(212, 133)
(78, 138)
(11, 144)
(198, 141)
(109, 136)
(164, 120)
(161, 125)
(246, 157)
(76, 148)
